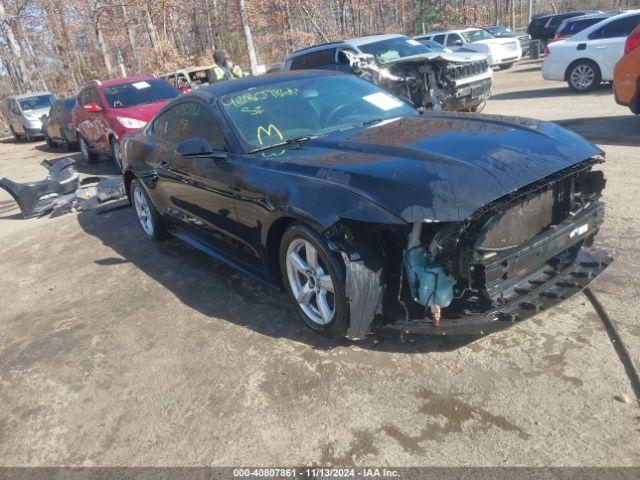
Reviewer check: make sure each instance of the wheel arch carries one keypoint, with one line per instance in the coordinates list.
(578, 60)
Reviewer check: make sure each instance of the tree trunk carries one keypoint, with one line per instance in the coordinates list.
(253, 60)
(130, 36)
(14, 48)
(103, 46)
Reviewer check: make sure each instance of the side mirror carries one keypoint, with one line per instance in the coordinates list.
(198, 147)
(457, 43)
(92, 108)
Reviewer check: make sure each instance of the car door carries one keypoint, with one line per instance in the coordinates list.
(200, 191)
(90, 123)
(606, 44)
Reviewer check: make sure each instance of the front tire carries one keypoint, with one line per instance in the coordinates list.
(27, 136)
(506, 66)
(314, 277)
(16, 137)
(115, 153)
(152, 225)
(583, 76)
(87, 155)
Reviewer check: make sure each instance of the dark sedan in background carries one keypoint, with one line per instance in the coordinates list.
(58, 128)
(368, 213)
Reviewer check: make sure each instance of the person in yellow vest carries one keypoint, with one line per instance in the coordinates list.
(223, 68)
(218, 71)
(235, 70)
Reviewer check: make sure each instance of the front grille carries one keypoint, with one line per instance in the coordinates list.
(521, 222)
(465, 70)
(524, 41)
(511, 46)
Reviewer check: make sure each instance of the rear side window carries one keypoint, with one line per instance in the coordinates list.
(616, 28)
(321, 58)
(439, 39)
(299, 62)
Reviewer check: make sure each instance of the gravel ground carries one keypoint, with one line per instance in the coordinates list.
(117, 351)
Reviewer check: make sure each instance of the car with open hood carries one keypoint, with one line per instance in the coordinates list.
(501, 52)
(369, 214)
(428, 75)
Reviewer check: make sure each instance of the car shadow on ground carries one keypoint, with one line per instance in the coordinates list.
(603, 90)
(623, 130)
(219, 291)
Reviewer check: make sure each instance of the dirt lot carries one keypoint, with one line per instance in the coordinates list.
(117, 351)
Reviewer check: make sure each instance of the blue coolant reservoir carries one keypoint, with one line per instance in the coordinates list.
(430, 285)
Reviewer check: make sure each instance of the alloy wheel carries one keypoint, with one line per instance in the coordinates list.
(115, 152)
(311, 284)
(143, 211)
(582, 77)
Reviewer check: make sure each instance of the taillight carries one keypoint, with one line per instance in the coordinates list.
(547, 52)
(632, 42)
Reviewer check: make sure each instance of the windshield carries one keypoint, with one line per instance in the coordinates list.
(307, 107)
(138, 93)
(432, 46)
(497, 31)
(475, 35)
(36, 102)
(393, 49)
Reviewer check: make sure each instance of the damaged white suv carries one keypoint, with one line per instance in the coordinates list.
(429, 76)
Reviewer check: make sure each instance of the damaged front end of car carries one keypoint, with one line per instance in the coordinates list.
(512, 258)
(440, 82)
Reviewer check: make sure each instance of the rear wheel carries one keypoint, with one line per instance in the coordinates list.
(583, 76)
(87, 155)
(115, 153)
(48, 141)
(315, 279)
(149, 218)
(65, 144)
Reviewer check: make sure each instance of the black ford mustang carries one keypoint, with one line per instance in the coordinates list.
(368, 213)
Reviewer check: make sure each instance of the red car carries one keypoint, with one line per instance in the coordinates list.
(105, 111)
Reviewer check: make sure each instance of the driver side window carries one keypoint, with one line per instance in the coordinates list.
(189, 120)
(452, 39)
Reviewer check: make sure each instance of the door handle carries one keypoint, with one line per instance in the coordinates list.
(600, 47)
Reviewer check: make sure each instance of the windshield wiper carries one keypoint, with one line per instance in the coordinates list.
(291, 141)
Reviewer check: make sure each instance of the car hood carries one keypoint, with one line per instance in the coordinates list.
(455, 57)
(141, 112)
(38, 112)
(493, 41)
(436, 167)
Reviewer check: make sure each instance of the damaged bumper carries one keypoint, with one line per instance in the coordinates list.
(545, 291)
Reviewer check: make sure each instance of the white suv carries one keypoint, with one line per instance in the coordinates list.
(502, 52)
(588, 57)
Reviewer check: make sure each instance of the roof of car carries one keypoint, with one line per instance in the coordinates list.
(351, 42)
(187, 70)
(220, 89)
(582, 18)
(440, 32)
(27, 95)
(119, 81)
